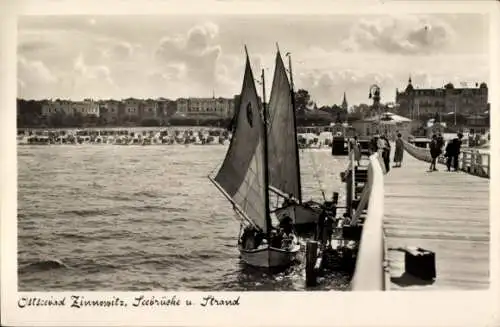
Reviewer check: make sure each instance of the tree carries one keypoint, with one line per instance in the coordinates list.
(150, 122)
(302, 98)
(361, 110)
(57, 119)
(338, 119)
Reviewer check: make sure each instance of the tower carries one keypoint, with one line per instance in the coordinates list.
(344, 105)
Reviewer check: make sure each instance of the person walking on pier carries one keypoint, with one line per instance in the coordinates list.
(374, 144)
(398, 151)
(385, 146)
(356, 149)
(440, 142)
(453, 152)
(435, 152)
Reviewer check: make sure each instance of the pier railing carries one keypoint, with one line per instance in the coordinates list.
(370, 273)
(470, 161)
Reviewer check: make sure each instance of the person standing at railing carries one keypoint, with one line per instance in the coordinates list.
(398, 151)
(435, 152)
(453, 152)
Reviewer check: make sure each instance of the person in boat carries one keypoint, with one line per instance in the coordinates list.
(321, 223)
(249, 238)
(286, 224)
(289, 201)
(286, 235)
(259, 237)
(398, 151)
(287, 241)
(276, 238)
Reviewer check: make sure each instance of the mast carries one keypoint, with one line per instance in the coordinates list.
(292, 93)
(266, 163)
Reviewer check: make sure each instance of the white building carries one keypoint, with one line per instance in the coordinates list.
(222, 107)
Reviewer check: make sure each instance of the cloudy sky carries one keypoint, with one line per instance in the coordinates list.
(177, 56)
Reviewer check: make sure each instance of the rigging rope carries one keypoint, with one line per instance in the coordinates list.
(316, 175)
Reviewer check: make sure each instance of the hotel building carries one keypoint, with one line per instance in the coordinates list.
(414, 102)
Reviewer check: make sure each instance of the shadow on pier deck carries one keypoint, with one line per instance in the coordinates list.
(444, 212)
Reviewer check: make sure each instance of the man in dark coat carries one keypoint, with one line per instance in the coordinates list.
(440, 143)
(453, 152)
(386, 152)
(374, 144)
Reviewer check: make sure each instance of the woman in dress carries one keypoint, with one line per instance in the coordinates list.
(398, 152)
(356, 149)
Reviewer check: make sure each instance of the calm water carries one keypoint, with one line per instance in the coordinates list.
(104, 217)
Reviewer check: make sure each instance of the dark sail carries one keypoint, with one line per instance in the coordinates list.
(283, 158)
(242, 174)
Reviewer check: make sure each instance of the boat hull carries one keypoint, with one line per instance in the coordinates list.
(301, 214)
(269, 257)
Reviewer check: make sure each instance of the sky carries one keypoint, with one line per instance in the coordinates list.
(102, 57)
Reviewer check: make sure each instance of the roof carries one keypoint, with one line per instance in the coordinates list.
(388, 118)
(431, 122)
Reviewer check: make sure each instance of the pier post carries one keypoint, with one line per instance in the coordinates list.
(311, 256)
(479, 164)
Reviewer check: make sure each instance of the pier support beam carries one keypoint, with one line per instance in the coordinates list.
(311, 256)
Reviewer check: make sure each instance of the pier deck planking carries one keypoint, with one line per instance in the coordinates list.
(444, 212)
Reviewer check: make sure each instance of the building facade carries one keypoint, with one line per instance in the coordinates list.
(149, 109)
(86, 107)
(139, 109)
(386, 123)
(222, 107)
(111, 110)
(413, 102)
(131, 107)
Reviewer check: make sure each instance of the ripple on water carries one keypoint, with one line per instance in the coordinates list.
(140, 218)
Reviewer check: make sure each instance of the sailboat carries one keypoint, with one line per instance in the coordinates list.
(243, 179)
(284, 163)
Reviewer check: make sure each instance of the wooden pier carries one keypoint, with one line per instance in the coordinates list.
(444, 212)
